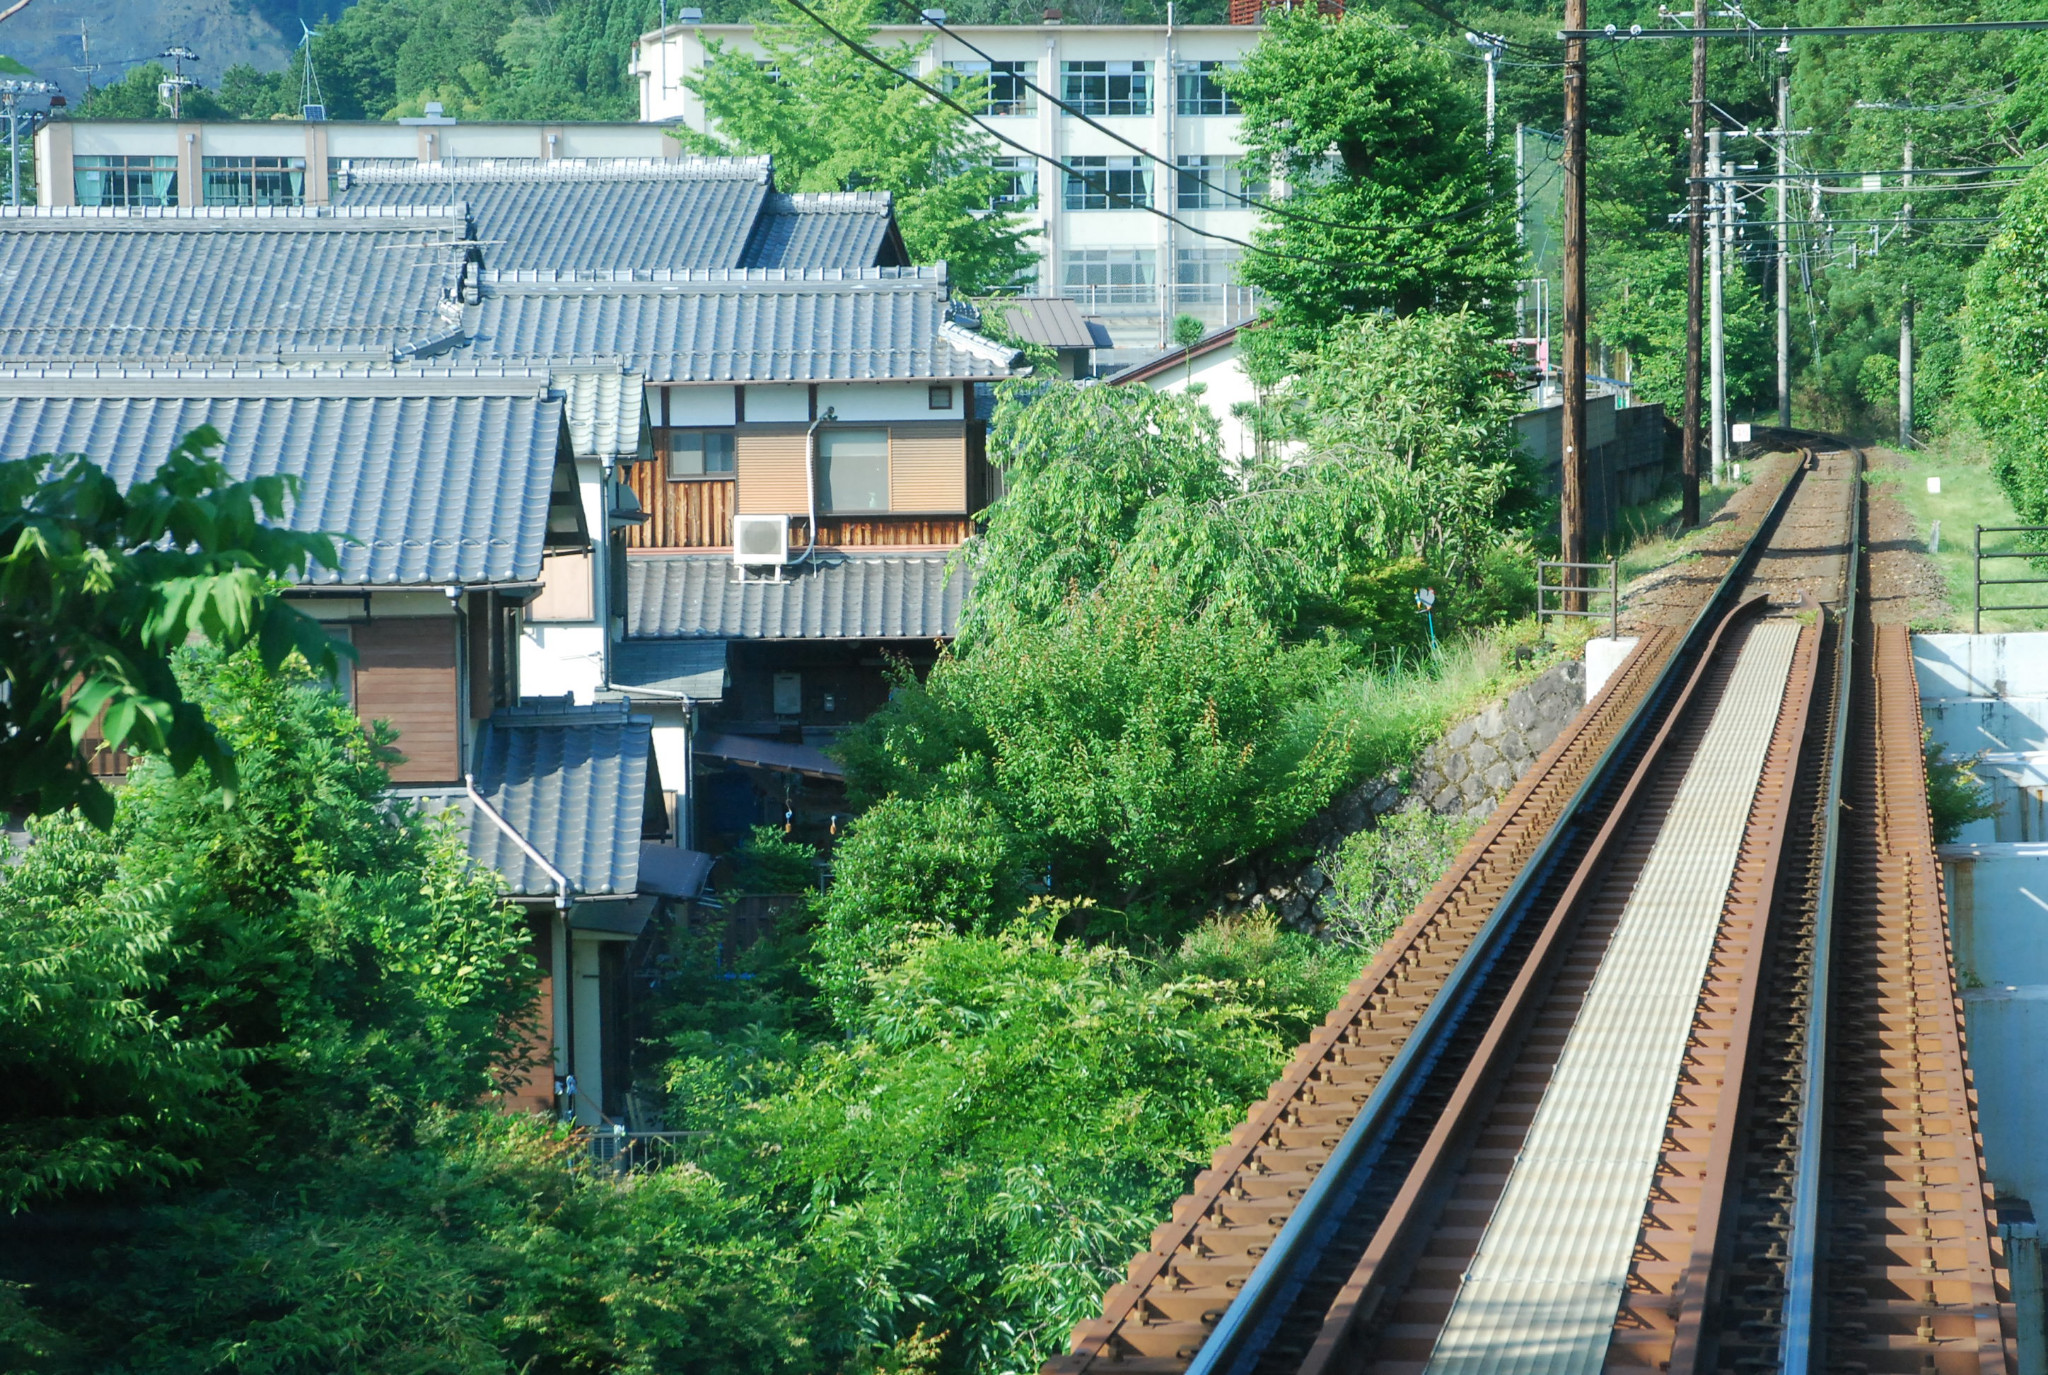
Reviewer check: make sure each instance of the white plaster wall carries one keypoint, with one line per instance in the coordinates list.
(697, 406)
(1221, 377)
(779, 402)
(557, 659)
(881, 401)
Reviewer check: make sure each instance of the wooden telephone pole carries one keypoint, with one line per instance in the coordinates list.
(1572, 516)
(1696, 232)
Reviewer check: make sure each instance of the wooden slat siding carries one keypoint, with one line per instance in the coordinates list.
(770, 460)
(928, 467)
(682, 515)
(879, 532)
(406, 674)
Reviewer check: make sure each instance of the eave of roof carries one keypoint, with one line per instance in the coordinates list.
(1152, 367)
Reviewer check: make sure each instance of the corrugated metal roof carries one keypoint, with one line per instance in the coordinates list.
(607, 413)
(571, 780)
(581, 214)
(672, 872)
(825, 229)
(1540, 1295)
(436, 488)
(251, 285)
(694, 668)
(1053, 321)
(835, 597)
(876, 325)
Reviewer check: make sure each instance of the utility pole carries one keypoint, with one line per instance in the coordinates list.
(1490, 46)
(1696, 234)
(1906, 316)
(1784, 245)
(85, 66)
(179, 82)
(1572, 515)
(1716, 347)
(11, 93)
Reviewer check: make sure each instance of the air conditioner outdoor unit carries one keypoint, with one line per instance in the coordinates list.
(760, 542)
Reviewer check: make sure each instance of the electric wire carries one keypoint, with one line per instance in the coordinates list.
(1257, 203)
(861, 50)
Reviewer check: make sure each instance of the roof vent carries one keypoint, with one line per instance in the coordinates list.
(760, 542)
(692, 16)
(932, 16)
(1052, 16)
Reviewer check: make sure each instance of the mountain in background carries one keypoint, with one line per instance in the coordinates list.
(124, 34)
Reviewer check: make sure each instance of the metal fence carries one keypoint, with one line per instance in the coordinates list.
(1977, 606)
(631, 1152)
(1591, 591)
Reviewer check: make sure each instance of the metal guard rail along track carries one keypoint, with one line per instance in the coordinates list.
(1246, 1326)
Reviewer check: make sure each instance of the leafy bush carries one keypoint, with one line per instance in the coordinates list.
(2005, 335)
(1380, 875)
(768, 861)
(1956, 796)
(208, 976)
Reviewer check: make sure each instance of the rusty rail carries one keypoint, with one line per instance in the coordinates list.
(1231, 1259)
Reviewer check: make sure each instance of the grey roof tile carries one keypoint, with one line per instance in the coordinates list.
(573, 782)
(818, 326)
(607, 413)
(153, 285)
(835, 597)
(1053, 321)
(694, 668)
(435, 488)
(587, 214)
(826, 229)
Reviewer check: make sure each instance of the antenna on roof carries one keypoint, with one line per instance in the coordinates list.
(172, 90)
(312, 104)
(85, 66)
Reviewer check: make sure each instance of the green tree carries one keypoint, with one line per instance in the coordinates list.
(135, 96)
(2006, 335)
(835, 122)
(97, 589)
(204, 978)
(1393, 201)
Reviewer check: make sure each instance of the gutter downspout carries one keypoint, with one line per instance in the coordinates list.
(811, 483)
(685, 833)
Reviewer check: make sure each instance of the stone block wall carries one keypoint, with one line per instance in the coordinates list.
(1474, 765)
(1466, 772)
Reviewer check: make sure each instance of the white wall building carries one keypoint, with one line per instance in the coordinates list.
(1153, 84)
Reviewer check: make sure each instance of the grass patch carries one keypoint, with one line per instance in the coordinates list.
(1969, 497)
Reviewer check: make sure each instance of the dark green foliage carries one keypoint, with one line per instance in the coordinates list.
(98, 588)
(1397, 203)
(1003, 1127)
(206, 977)
(2006, 392)
(767, 861)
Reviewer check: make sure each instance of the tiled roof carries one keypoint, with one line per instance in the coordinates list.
(607, 413)
(826, 229)
(155, 285)
(587, 214)
(834, 597)
(1053, 321)
(693, 668)
(820, 326)
(435, 488)
(573, 782)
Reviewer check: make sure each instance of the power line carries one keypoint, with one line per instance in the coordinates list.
(874, 59)
(1758, 31)
(1256, 203)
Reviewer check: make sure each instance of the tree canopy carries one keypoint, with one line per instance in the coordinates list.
(98, 587)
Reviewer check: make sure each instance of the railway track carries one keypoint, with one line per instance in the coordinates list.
(1573, 1114)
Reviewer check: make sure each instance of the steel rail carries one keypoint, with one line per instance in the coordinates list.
(1796, 1342)
(1394, 1244)
(1246, 1327)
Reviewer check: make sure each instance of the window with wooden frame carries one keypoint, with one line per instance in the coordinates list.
(699, 453)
